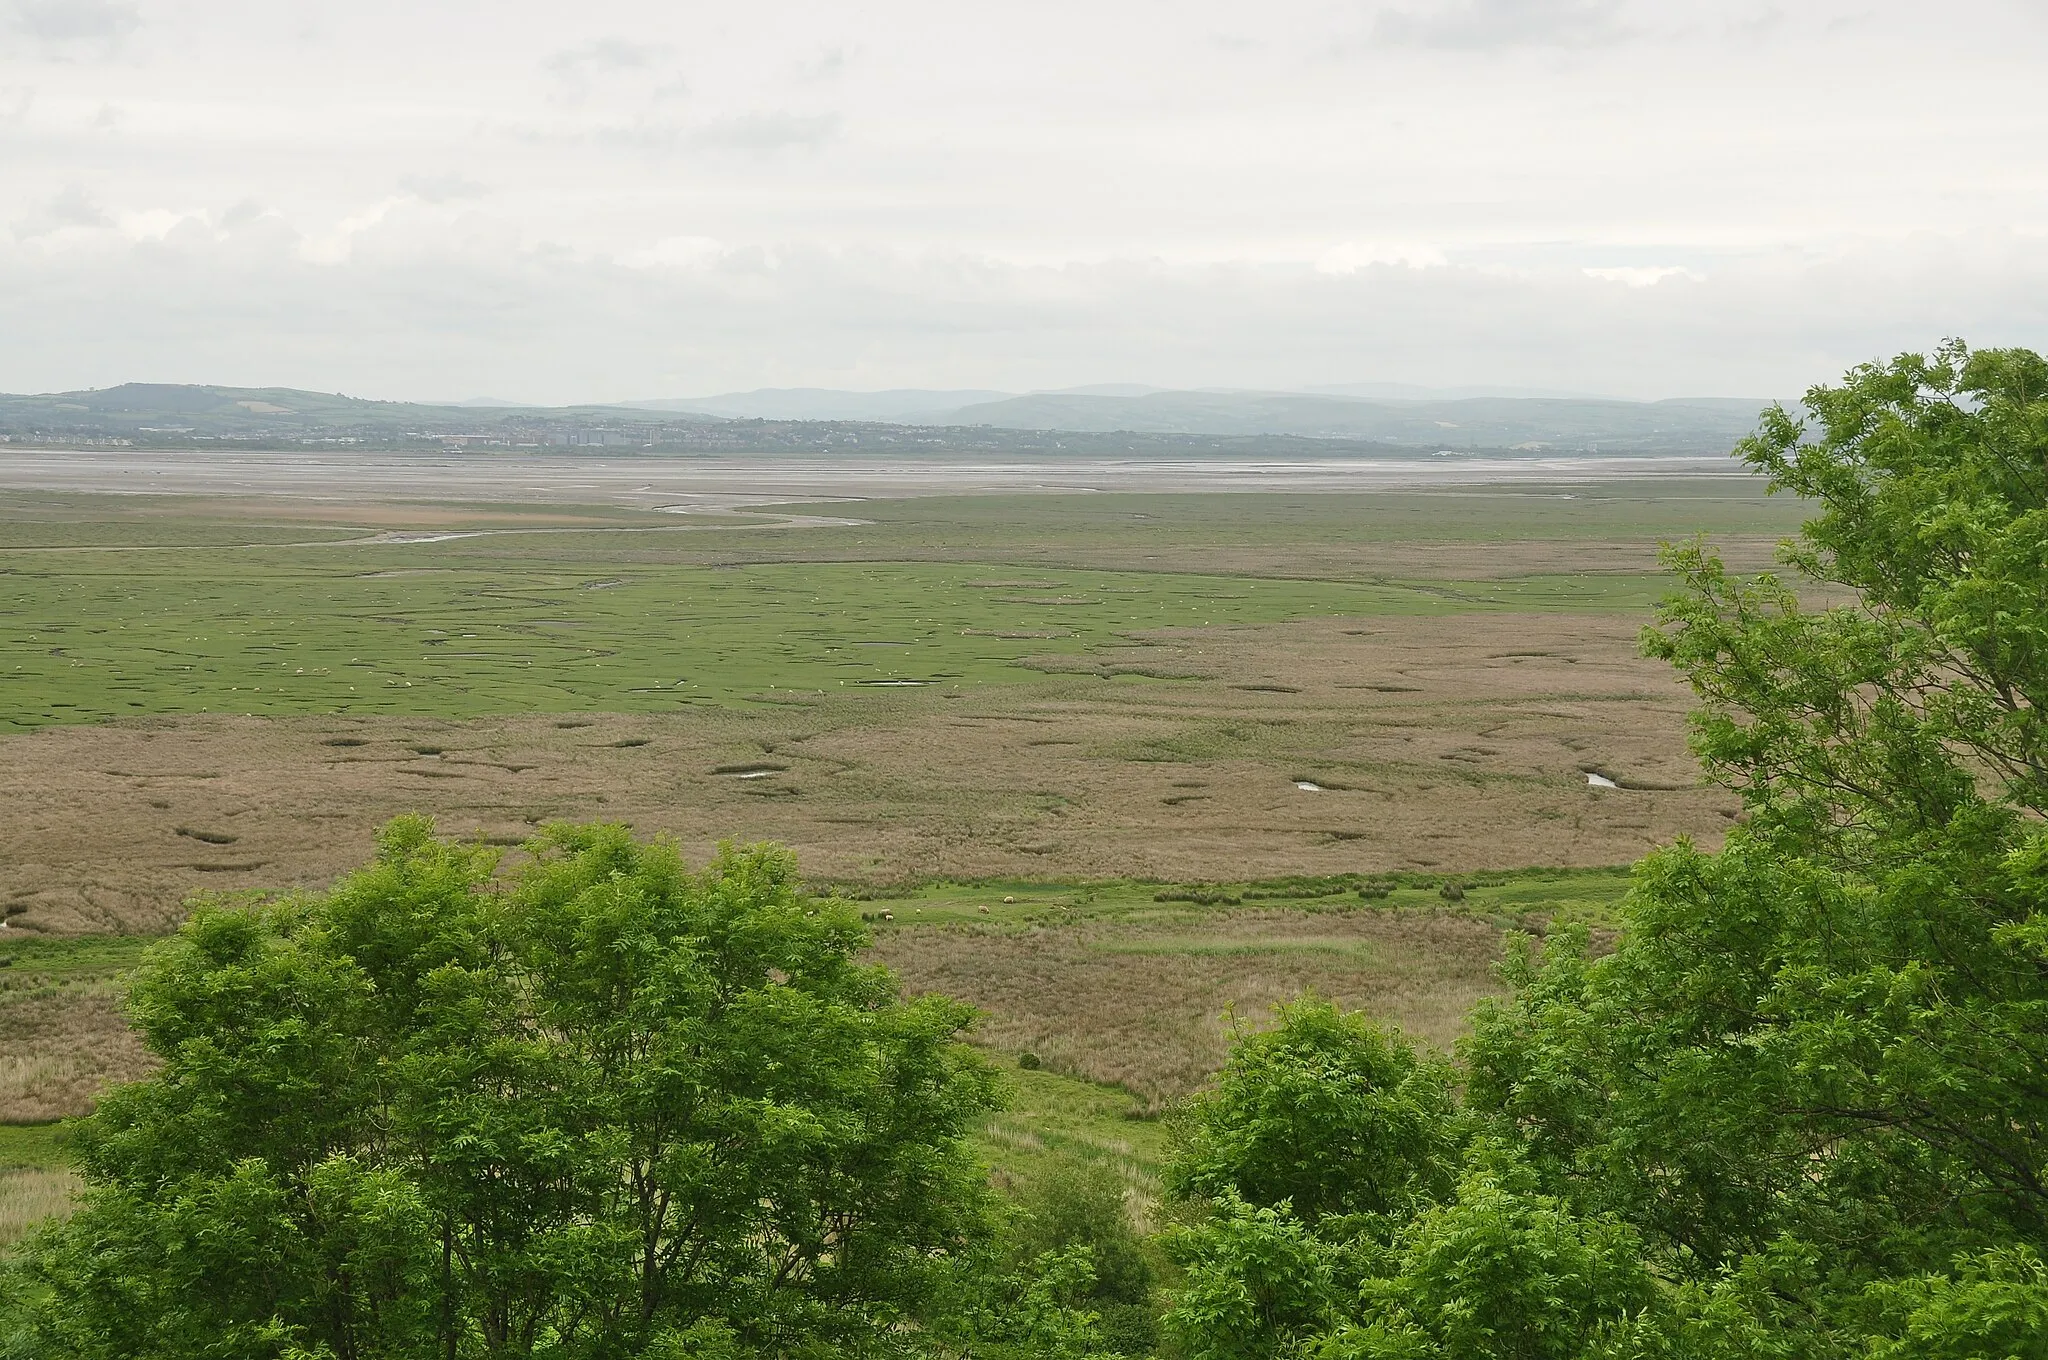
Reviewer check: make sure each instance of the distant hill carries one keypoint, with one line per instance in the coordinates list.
(1107, 418)
(904, 405)
(145, 409)
(1681, 426)
(1377, 412)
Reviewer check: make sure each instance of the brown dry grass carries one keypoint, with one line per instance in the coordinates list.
(1407, 561)
(1148, 1004)
(28, 1195)
(60, 1046)
(1447, 742)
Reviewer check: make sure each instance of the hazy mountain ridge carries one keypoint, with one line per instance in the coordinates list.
(1110, 417)
(237, 411)
(1488, 422)
(823, 403)
(1681, 425)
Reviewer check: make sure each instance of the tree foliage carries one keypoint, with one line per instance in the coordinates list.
(1801, 1109)
(1326, 1113)
(1836, 1027)
(611, 1108)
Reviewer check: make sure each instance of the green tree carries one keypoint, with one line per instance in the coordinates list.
(1077, 1204)
(1259, 1282)
(610, 1108)
(1828, 1041)
(1046, 1307)
(1501, 1272)
(1801, 1108)
(1320, 1138)
(1326, 1113)
(1845, 1011)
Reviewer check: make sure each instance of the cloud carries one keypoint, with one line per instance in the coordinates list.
(70, 207)
(333, 246)
(242, 213)
(617, 67)
(1482, 25)
(1351, 256)
(604, 55)
(829, 63)
(1151, 203)
(411, 304)
(767, 133)
(755, 134)
(62, 26)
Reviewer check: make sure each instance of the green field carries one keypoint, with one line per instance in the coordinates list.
(431, 633)
(948, 592)
(116, 607)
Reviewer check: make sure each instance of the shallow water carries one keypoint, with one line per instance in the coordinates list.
(734, 481)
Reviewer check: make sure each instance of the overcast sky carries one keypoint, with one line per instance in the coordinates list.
(616, 199)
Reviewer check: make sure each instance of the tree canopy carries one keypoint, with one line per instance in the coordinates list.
(1801, 1107)
(610, 1108)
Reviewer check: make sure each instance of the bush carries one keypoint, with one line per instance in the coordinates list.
(1327, 1112)
(1079, 1203)
(1201, 897)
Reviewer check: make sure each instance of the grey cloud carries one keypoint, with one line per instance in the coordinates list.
(828, 64)
(755, 134)
(1479, 25)
(1641, 160)
(64, 25)
(658, 136)
(242, 214)
(616, 70)
(71, 206)
(74, 207)
(766, 133)
(604, 55)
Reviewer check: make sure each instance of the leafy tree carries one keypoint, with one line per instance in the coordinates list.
(1047, 1307)
(1259, 1282)
(1801, 1108)
(1992, 1304)
(1322, 1135)
(1326, 1113)
(1828, 1042)
(1064, 1276)
(611, 1108)
(1079, 1205)
(1501, 1272)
